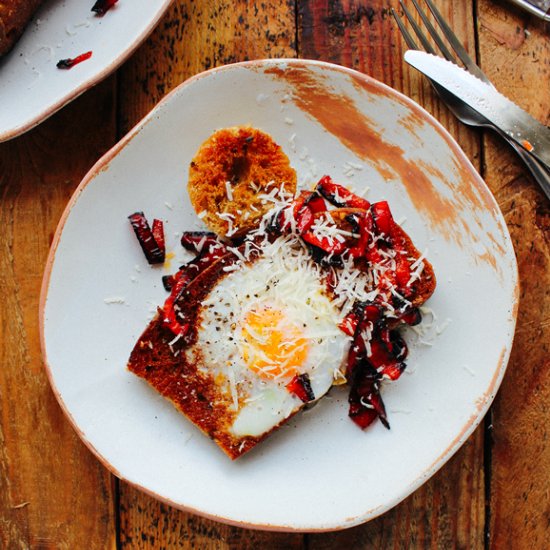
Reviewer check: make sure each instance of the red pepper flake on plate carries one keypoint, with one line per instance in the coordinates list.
(71, 62)
(101, 7)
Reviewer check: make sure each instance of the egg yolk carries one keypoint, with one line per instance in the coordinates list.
(271, 345)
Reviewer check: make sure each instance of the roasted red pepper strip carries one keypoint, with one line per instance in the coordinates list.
(393, 371)
(365, 226)
(304, 219)
(366, 402)
(340, 196)
(299, 201)
(158, 234)
(71, 62)
(153, 252)
(368, 314)
(412, 316)
(349, 323)
(399, 346)
(330, 246)
(356, 354)
(101, 7)
(191, 240)
(383, 218)
(316, 203)
(361, 415)
(375, 399)
(182, 279)
(300, 385)
(372, 312)
(380, 356)
(168, 282)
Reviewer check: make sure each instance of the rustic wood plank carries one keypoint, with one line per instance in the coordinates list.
(432, 517)
(515, 54)
(53, 492)
(192, 37)
(148, 524)
(196, 36)
(448, 511)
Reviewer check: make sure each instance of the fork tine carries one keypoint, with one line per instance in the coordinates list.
(418, 31)
(455, 43)
(406, 35)
(433, 33)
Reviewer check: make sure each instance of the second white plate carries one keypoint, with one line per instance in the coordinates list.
(32, 88)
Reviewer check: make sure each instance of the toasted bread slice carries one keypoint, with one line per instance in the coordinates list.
(14, 17)
(164, 363)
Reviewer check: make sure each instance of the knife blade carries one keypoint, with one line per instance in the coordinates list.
(516, 123)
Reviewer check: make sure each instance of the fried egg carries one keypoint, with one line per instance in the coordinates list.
(265, 322)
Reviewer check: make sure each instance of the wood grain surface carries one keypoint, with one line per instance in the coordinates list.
(494, 493)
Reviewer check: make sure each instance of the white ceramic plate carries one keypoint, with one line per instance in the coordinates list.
(320, 472)
(32, 88)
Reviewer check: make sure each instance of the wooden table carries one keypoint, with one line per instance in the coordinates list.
(495, 492)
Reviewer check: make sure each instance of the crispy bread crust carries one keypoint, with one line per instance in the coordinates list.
(424, 287)
(194, 393)
(14, 17)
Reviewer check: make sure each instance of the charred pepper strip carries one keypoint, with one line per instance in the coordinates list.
(365, 368)
(180, 281)
(375, 399)
(399, 346)
(350, 322)
(150, 247)
(365, 401)
(393, 371)
(316, 203)
(311, 204)
(277, 224)
(168, 282)
(357, 355)
(381, 357)
(190, 240)
(365, 227)
(304, 219)
(411, 316)
(383, 219)
(300, 385)
(158, 234)
(101, 7)
(71, 62)
(330, 246)
(340, 196)
(361, 415)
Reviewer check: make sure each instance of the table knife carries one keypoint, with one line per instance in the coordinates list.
(500, 111)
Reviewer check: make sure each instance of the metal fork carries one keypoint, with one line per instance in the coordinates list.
(463, 112)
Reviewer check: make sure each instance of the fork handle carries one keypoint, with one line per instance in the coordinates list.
(538, 170)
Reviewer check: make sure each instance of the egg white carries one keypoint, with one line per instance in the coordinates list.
(286, 281)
